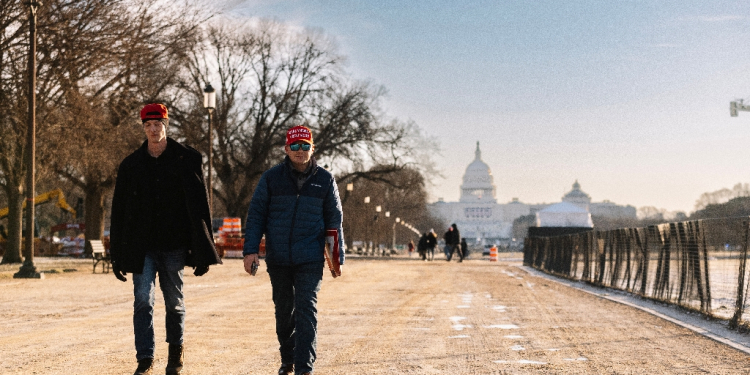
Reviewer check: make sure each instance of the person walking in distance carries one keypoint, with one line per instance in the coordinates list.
(464, 249)
(295, 204)
(431, 243)
(160, 223)
(453, 243)
(422, 246)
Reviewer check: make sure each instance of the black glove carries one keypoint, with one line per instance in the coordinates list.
(200, 270)
(119, 274)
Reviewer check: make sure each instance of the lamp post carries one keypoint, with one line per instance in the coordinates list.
(352, 223)
(377, 229)
(28, 270)
(394, 231)
(209, 103)
(387, 214)
(367, 201)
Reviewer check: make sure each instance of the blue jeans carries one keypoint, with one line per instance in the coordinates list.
(295, 295)
(169, 266)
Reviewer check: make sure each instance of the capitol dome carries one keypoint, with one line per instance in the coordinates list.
(577, 197)
(478, 183)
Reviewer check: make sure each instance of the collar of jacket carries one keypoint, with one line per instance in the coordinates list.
(308, 172)
(173, 147)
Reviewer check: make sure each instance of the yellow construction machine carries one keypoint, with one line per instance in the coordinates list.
(44, 198)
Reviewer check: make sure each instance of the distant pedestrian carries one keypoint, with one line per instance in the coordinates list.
(431, 243)
(296, 205)
(422, 246)
(411, 247)
(453, 243)
(464, 249)
(160, 223)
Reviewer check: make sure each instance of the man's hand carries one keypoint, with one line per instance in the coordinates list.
(200, 270)
(119, 274)
(249, 260)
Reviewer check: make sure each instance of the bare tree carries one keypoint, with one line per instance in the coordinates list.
(722, 196)
(133, 53)
(400, 192)
(14, 105)
(271, 78)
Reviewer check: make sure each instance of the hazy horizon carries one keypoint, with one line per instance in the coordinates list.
(630, 98)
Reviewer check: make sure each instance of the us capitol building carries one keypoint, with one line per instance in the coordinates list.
(481, 219)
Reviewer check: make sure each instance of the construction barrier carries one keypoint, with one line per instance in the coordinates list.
(493, 253)
(230, 241)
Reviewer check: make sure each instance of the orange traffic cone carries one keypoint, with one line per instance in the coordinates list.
(493, 253)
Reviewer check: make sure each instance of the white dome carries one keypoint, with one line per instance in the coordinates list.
(577, 196)
(478, 183)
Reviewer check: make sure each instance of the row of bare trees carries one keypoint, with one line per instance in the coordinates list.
(99, 61)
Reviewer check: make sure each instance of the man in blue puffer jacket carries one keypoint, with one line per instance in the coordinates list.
(294, 204)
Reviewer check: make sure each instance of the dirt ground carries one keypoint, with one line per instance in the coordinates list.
(383, 316)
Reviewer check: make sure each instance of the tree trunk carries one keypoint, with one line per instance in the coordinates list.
(15, 219)
(94, 212)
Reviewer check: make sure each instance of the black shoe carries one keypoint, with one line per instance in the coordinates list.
(286, 369)
(174, 363)
(144, 367)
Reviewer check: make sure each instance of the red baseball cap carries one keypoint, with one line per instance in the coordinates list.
(299, 134)
(154, 111)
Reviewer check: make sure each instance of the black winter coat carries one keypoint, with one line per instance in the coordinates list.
(130, 220)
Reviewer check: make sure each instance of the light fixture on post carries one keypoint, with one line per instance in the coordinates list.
(28, 270)
(350, 187)
(209, 103)
(367, 201)
(394, 232)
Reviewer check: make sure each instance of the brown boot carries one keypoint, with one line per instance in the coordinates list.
(144, 367)
(174, 363)
(286, 369)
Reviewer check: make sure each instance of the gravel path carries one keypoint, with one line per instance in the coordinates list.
(383, 316)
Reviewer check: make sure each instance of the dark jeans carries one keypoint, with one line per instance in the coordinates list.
(450, 249)
(169, 266)
(295, 294)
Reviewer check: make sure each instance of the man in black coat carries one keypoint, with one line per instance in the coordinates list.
(422, 246)
(161, 223)
(431, 243)
(453, 243)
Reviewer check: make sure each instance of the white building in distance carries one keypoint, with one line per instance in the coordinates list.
(481, 219)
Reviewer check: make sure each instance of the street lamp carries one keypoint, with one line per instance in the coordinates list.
(367, 201)
(350, 187)
(394, 231)
(28, 270)
(209, 103)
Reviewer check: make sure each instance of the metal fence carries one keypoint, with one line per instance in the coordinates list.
(699, 265)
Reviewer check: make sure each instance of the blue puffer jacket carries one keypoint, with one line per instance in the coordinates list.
(294, 221)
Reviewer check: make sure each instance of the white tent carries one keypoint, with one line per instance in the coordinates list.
(564, 214)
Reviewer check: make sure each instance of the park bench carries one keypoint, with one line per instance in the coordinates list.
(99, 254)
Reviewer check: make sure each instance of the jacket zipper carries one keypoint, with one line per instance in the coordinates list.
(294, 218)
(291, 232)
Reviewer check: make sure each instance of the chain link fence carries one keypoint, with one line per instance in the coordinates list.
(699, 265)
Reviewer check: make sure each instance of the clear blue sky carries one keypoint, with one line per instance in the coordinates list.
(629, 97)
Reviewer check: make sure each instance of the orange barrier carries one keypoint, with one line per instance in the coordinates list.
(493, 253)
(230, 242)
